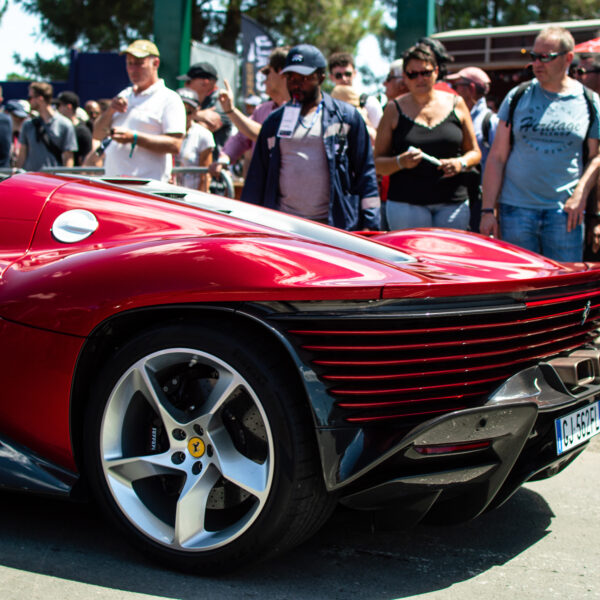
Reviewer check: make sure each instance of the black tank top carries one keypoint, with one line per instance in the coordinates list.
(424, 184)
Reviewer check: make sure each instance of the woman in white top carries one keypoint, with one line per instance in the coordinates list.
(197, 146)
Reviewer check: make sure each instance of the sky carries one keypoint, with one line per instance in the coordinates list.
(18, 32)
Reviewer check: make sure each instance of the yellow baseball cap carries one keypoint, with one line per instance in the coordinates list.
(141, 49)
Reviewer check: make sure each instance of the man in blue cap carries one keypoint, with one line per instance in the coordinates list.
(313, 157)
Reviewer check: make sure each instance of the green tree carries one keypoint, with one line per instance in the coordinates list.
(109, 24)
(466, 14)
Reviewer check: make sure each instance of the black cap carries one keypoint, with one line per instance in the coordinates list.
(68, 98)
(304, 59)
(200, 70)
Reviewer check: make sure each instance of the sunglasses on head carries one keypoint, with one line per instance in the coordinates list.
(339, 75)
(584, 71)
(545, 57)
(415, 74)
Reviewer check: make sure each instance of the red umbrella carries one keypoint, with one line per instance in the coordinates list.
(589, 46)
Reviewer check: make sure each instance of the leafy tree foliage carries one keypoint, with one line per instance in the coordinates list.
(109, 24)
(94, 24)
(466, 14)
(331, 25)
(463, 14)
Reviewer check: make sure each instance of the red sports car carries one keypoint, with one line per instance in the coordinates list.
(218, 376)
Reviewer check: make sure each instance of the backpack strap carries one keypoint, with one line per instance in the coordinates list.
(485, 128)
(42, 135)
(513, 105)
(589, 100)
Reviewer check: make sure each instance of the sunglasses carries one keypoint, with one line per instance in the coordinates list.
(415, 74)
(545, 57)
(391, 78)
(339, 75)
(584, 71)
(265, 71)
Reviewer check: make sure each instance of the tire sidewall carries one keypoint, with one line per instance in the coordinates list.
(273, 391)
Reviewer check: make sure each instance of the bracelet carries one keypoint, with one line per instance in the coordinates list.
(398, 162)
(133, 144)
(487, 211)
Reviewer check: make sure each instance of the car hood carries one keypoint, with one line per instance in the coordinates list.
(297, 255)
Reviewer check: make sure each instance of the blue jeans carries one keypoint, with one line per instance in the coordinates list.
(543, 231)
(402, 215)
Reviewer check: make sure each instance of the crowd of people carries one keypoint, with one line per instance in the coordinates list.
(433, 153)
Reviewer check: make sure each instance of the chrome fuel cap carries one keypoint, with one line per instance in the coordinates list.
(74, 226)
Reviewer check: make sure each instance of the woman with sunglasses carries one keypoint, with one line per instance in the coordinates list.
(534, 174)
(424, 142)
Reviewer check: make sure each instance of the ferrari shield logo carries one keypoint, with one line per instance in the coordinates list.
(196, 447)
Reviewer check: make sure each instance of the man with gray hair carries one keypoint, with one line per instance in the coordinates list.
(394, 82)
(538, 166)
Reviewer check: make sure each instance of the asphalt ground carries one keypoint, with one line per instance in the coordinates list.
(542, 544)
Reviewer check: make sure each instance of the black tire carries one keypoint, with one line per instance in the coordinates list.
(202, 451)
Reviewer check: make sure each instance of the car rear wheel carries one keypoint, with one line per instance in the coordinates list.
(202, 451)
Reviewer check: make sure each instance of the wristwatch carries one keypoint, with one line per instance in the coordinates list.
(463, 164)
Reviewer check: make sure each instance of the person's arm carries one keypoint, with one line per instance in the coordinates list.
(471, 154)
(385, 162)
(68, 159)
(575, 205)
(492, 179)
(103, 124)
(360, 155)
(204, 160)
(162, 143)
(22, 156)
(209, 118)
(245, 125)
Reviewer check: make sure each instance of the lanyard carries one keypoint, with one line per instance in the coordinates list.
(313, 120)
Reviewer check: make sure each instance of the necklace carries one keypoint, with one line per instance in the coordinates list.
(313, 120)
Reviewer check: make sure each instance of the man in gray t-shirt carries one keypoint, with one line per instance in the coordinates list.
(48, 140)
(535, 170)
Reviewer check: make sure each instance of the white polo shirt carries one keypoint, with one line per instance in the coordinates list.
(157, 110)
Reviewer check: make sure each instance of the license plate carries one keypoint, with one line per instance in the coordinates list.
(577, 427)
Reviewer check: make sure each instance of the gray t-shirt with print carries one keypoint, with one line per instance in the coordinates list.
(545, 162)
(60, 130)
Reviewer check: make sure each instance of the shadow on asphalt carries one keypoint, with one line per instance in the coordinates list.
(348, 558)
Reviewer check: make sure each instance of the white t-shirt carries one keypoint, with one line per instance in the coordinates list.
(304, 171)
(157, 110)
(374, 110)
(197, 140)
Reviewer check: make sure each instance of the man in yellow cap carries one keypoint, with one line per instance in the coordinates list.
(145, 123)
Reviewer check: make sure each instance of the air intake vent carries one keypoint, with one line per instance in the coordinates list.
(413, 363)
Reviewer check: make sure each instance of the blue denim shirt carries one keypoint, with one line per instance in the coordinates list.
(349, 157)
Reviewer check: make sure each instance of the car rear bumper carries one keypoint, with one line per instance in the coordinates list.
(455, 466)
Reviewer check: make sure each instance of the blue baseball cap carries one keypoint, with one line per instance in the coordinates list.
(304, 59)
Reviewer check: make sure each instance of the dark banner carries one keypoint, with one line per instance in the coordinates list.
(258, 45)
